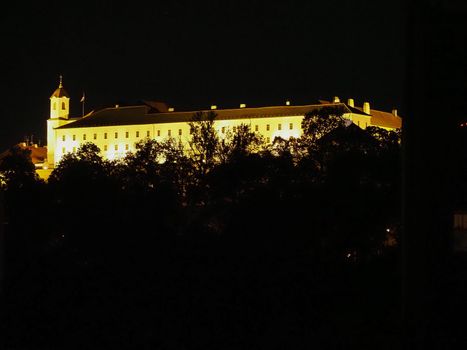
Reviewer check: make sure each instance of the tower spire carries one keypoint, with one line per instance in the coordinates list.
(60, 85)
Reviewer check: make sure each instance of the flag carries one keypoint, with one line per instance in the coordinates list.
(82, 98)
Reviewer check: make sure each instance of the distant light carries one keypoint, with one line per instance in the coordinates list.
(388, 230)
(349, 255)
(171, 109)
(116, 106)
(287, 103)
(213, 107)
(242, 105)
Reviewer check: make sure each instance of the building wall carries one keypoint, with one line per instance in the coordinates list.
(116, 141)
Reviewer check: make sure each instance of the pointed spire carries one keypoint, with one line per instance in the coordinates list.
(60, 85)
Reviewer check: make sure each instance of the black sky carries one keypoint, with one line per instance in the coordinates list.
(195, 54)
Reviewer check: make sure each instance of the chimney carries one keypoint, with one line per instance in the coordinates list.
(242, 105)
(336, 99)
(213, 107)
(394, 112)
(350, 102)
(366, 107)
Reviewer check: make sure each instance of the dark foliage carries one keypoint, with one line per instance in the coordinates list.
(228, 244)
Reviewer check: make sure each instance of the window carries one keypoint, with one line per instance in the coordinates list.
(105, 147)
(234, 129)
(127, 147)
(223, 129)
(279, 127)
(63, 150)
(74, 137)
(116, 135)
(268, 140)
(291, 126)
(179, 132)
(158, 133)
(267, 128)
(55, 106)
(74, 149)
(95, 136)
(63, 105)
(169, 132)
(116, 147)
(84, 137)
(63, 138)
(148, 133)
(127, 134)
(137, 134)
(105, 136)
(256, 127)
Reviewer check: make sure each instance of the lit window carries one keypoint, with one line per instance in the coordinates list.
(234, 129)
(63, 138)
(169, 132)
(105, 136)
(95, 136)
(158, 133)
(84, 137)
(291, 126)
(116, 147)
(74, 137)
(179, 132)
(63, 105)
(127, 147)
(105, 147)
(267, 128)
(148, 133)
(116, 135)
(268, 140)
(127, 134)
(63, 149)
(279, 127)
(256, 127)
(137, 134)
(74, 149)
(223, 129)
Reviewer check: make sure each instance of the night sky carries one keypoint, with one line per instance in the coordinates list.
(195, 54)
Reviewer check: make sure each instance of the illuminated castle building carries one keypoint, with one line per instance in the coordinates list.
(116, 130)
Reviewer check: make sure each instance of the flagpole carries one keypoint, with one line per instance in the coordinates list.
(82, 101)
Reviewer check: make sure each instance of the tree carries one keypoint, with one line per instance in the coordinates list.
(17, 169)
(204, 142)
(319, 122)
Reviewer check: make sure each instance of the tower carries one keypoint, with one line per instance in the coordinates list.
(59, 102)
(59, 115)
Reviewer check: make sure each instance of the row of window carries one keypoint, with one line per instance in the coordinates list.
(106, 148)
(55, 106)
(169, 132)
(268, 127)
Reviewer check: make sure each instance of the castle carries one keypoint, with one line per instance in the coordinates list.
(117, 129)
